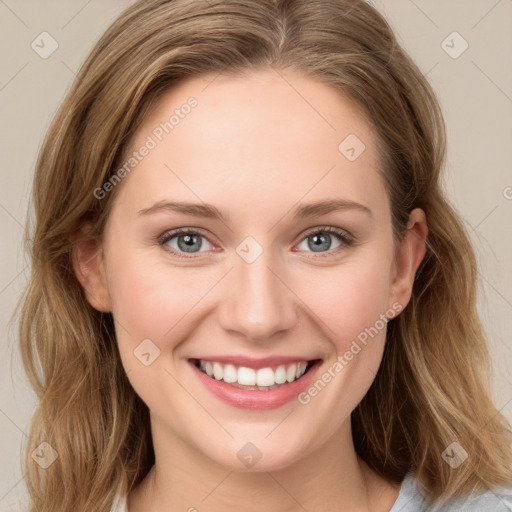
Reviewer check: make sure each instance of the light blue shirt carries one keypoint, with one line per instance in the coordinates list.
(412, 499)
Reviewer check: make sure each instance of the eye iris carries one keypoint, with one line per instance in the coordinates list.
(325, 242)
(190, 242)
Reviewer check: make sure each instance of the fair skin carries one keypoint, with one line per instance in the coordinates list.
(255, 148)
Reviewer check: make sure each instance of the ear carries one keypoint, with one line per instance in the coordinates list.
(408, 256)
(89, 267)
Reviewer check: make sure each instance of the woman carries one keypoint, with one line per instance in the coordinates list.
(248, 289)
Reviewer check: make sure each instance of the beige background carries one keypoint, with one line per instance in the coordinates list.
(475, 90)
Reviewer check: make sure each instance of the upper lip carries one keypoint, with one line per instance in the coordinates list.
(256, 363)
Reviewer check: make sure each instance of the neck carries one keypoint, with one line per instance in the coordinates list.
(332, 477)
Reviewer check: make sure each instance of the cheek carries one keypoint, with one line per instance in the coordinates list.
(154, 309)
(348, 299)
(350, 304)
(150, 299)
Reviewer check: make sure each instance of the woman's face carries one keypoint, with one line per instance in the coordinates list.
(264, 274)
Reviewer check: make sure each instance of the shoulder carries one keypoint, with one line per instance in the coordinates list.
(412, 498)
(495, 500)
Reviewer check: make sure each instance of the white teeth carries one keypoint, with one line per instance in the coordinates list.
(246, 376)
(263, 378)
(280, 377)
(218, 371)
(301, 368)
(230, 373)
(290, 373)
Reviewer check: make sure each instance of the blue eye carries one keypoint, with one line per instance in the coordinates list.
(321, 238)
(188, 241)
(319, 241)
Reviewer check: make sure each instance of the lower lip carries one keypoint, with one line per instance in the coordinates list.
(256, 399)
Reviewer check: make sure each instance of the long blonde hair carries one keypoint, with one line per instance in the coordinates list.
(433, 386)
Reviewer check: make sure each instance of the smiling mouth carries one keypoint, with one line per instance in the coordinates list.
(262, 379)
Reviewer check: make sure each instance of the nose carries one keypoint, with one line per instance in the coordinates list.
(257, 303)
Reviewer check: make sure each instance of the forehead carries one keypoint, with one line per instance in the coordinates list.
(264, 135)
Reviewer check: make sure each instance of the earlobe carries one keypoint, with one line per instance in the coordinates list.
(409, 255)
(88, 265)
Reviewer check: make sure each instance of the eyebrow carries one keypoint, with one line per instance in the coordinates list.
(315, 209)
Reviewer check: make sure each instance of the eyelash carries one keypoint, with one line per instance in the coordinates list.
(343, 237)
